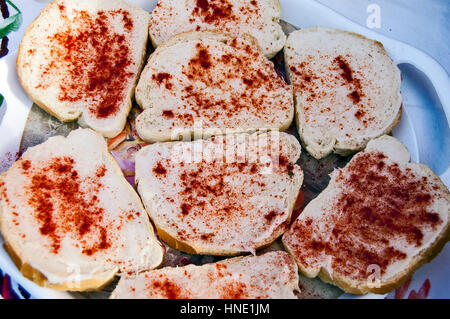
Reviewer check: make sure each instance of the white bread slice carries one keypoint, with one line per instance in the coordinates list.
(70, 219)
(347, 89)
(257, 18)
(80, 59)
(223, 196)
(379, 219)
(211, 79)
(273, 275)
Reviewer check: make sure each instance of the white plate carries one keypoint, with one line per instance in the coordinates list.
(424, 127)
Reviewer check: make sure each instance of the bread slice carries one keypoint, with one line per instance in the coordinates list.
(80, 59)
(70, 219)
(223, 196)
(257, 18)
(347, 89)
(211, 80)
(379, 219)
(273, 275)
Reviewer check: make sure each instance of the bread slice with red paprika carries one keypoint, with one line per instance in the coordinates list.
(223, 196)
(81, 59)
(258, 18)
(213, 81)
(273, 275)
(379, 220)
(70, 219)
(347, 89)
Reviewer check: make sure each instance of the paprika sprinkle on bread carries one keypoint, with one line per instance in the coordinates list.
(81, 59)
(347, 89)
(272, 275)
(216, 205)
(69, 218)
(258, 18)
(212, 79)
(379, 219)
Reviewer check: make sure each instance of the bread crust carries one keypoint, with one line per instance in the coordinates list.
(99, 281)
